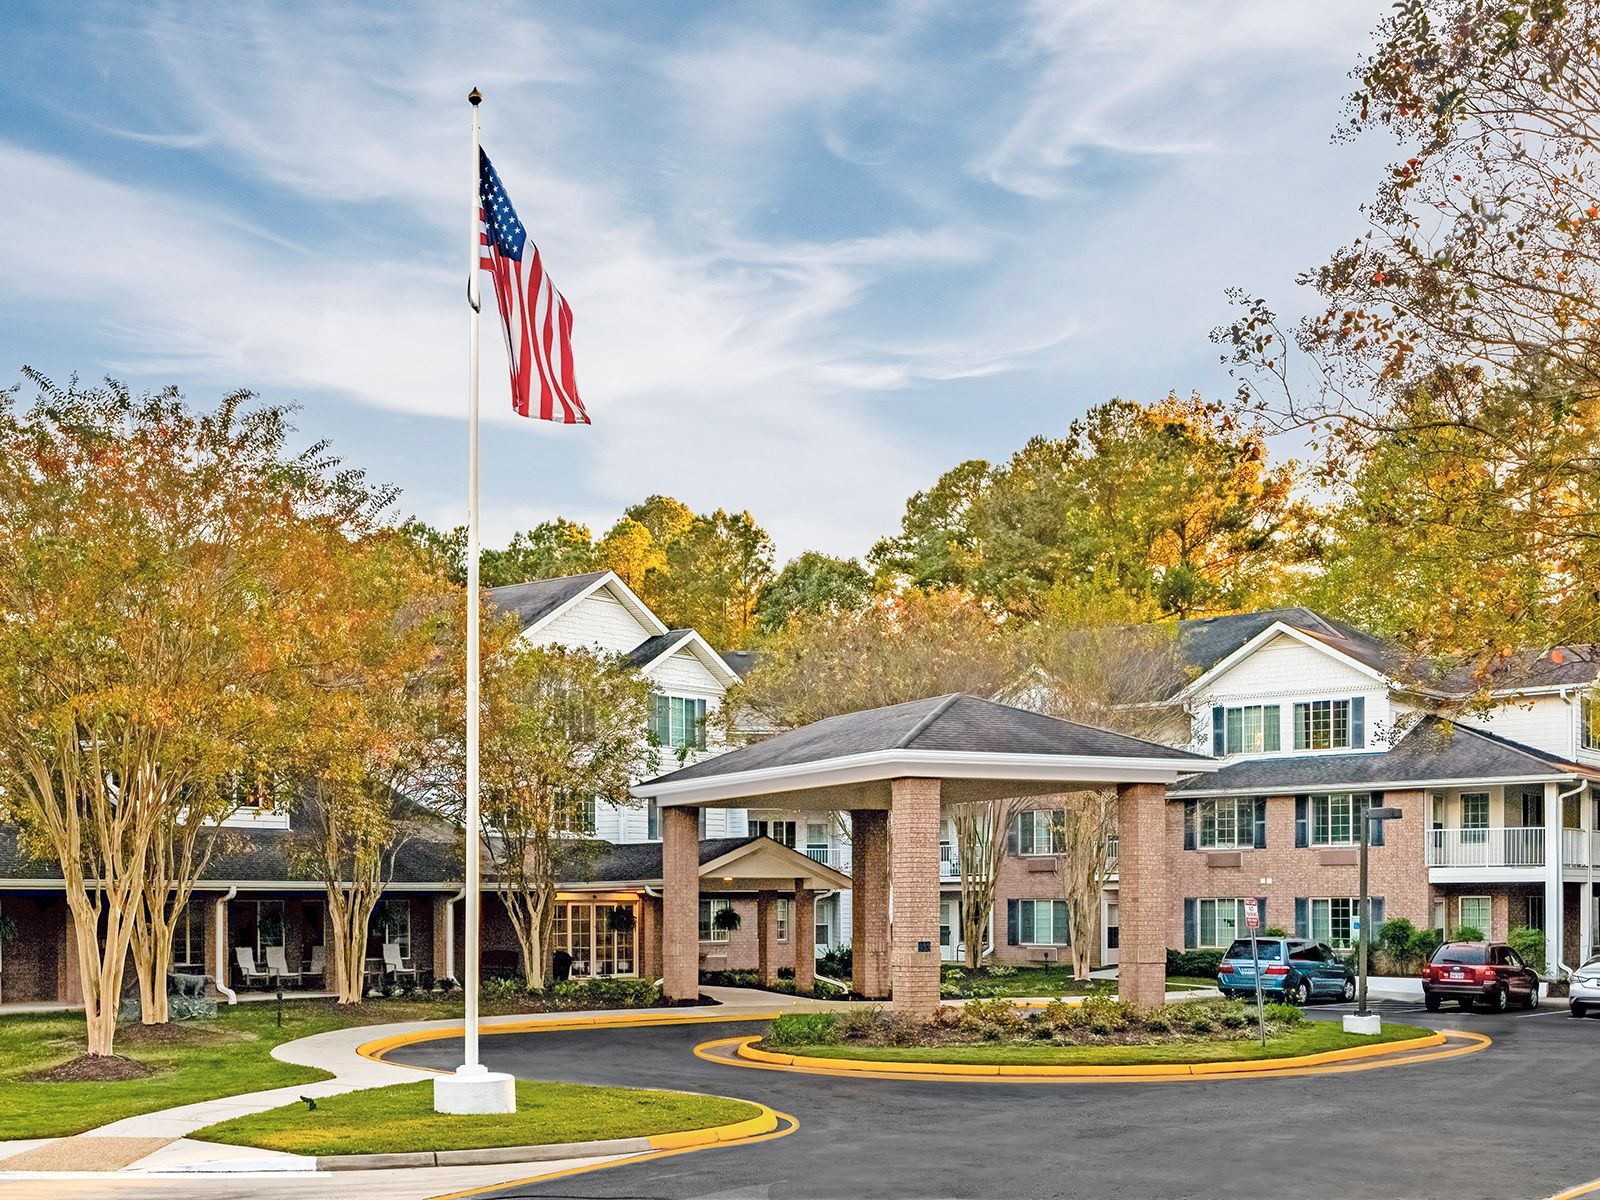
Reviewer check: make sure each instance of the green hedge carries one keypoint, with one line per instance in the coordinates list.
(1193, 962)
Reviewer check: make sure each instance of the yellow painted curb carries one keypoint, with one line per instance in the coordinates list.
(378, 1047)
(766, 1122)
(747, 1050)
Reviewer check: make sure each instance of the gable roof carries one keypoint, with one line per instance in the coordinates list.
(1433, 753)
(539, 601)
(653, 649)
(596, 863)
(740, 660)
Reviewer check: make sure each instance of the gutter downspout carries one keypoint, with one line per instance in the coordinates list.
(450, 934)
(1560, 918)
(222, 945)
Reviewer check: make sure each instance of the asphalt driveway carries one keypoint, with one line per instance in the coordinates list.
(1511, 1121)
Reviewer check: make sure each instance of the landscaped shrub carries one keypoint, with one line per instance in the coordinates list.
(1529, 944)
(859, 1024)
(1423, 943)
(1272, 931)
(502, 987)
(626, 993)
(1193, 962)
(1396, 937)
(1467, 933)
(1105, 1016)
(1284, 1014)
(992, 1019)
(804, 1029)
(836, 964)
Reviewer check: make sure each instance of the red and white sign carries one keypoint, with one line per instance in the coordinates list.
(1252, 919)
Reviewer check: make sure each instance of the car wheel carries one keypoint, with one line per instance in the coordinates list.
(1299, 993)
(1531, 1000)
(1500, 999)
(1431, 1003)
(1579, 1008)
(1349, 989)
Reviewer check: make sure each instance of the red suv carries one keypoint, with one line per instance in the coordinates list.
(1486, 971)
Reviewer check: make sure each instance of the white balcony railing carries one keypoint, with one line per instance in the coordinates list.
(1496, 846)
(949, 861)
(837, 857)
(1575, 848)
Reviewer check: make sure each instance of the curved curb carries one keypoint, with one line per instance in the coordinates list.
(764, 1122)
(746, 1049)
(378, 1047)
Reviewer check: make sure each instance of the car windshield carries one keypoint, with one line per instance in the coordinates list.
(1265, 951)
(1466, 955)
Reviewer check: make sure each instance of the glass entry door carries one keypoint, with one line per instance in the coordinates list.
(589, 932)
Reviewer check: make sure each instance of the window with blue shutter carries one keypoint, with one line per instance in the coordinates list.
(1260, 841)
(1011, 922)
(1302, 916)
(1191, 923)
(1377, 915)
(1219, 741)
(1358, 722)
(1302, 827)
(1188, 825)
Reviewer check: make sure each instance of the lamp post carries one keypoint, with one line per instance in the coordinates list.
(1362, 1021)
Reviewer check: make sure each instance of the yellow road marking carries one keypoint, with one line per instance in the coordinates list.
(794, 1124)
(1477, 1042)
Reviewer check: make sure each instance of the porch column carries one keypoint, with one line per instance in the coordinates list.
(914, 879)
(680, 903)
(766, 935)
(803, 936)
(869, 902)
(1554, 917)
(1142, 894)
(443, 928)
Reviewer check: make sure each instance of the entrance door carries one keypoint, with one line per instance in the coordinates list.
(950, 929)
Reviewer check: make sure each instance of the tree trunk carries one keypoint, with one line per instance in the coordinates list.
(981, 831)
(532, 916)
(152, 961)
(101, 967)
(349, 915)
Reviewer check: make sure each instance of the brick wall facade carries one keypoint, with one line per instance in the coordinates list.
(869, 902)
(1143, 887)
(914, 877)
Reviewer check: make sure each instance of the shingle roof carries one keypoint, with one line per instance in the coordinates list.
(538, 598)
(1433, 751)
(740, 660)
(653, 648)
(956, 723)
(631, 862)
(1206, 641)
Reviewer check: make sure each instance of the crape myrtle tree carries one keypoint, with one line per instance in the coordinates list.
(148, 581)
(562, 729)
(381, 651)
(1451, 346)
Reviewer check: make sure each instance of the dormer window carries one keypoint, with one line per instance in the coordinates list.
(678, 722)
(1329, 724)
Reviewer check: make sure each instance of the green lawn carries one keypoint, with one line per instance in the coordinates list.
(194, 1060)
(400, 1118)
(1311, 1038)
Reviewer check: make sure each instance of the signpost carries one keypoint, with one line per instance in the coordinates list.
(1361, 1021)
(1252, 922)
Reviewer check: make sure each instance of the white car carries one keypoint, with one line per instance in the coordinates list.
(1583, 989)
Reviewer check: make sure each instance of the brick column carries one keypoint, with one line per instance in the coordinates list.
(914, 879)
(649, 935)
(869, 903)
(1142, 894)
(680, 917)
(441, 939)
(803, 937)
(766, 935)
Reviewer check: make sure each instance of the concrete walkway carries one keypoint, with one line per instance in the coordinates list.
(158, 1142)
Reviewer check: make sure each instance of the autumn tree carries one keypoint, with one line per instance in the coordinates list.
(981, 828)
(547, 551)
(381, 653)
(148, 595)
(812, 583)
(563, 728)
(1173, 502)
(1455, 335)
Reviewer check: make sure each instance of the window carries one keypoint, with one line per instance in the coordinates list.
(600, 939)
(1331, 920)
(1042, 922)
(652, 821)
(1038, 832)
(1474, 912)
(1113, 930)
(1228, 823)
(1253, 729)
(269, 925)
(678, 722)
(1533, 807)
(778, 831)
(584, 815)
(1440, 921)
(1218, 921)
(1322, 725)
(189, 938)
(1474, 817)
(823, 930)
(394, 924)
(1333, 820)
(708, 920)
(1589, 724)
(780, 919)
(1535, 912)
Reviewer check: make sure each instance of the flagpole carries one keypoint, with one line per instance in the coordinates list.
(472, 1089)
(474, 827)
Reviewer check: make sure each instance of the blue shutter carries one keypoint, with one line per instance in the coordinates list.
(1191, 924)
(698, 737)
(1261, 911)
(1188, 825)
(1058, 924)
(1260, 842)
(1302, 830)
(1013, 842)
(1302, 917)
(1358, 722)
(1219, 745)
(1377, 914)
(1011, 922)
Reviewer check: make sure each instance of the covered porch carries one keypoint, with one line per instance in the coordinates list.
(896, 771)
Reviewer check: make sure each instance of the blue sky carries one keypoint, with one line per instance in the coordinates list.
(818, 253)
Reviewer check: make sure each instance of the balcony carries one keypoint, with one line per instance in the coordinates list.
(837, 857)
(949, 861)
(1512, 848)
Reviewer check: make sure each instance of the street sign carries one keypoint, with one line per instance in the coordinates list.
(1355, 927)
(1252, 919)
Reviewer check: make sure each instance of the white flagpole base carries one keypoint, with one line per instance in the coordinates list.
(1363, 1023)
(474, 1090)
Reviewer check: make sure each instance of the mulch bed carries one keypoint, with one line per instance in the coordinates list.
(93, 1068)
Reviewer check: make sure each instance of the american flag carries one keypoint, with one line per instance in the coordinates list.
(537, 320)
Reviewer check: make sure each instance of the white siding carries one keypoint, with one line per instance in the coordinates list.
(1546, 722)
(601, 621)
(682, 673)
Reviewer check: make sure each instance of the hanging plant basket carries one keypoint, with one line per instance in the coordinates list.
(727, 919)
(621, 919)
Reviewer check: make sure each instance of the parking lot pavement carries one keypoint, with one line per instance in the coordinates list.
(1497, 1123)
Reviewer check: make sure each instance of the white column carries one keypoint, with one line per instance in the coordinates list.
(1553, 915)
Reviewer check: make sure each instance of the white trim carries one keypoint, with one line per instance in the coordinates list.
(1286, 789)
(1271, 631)
(708, 657)
(623, 592)
(928, 764)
